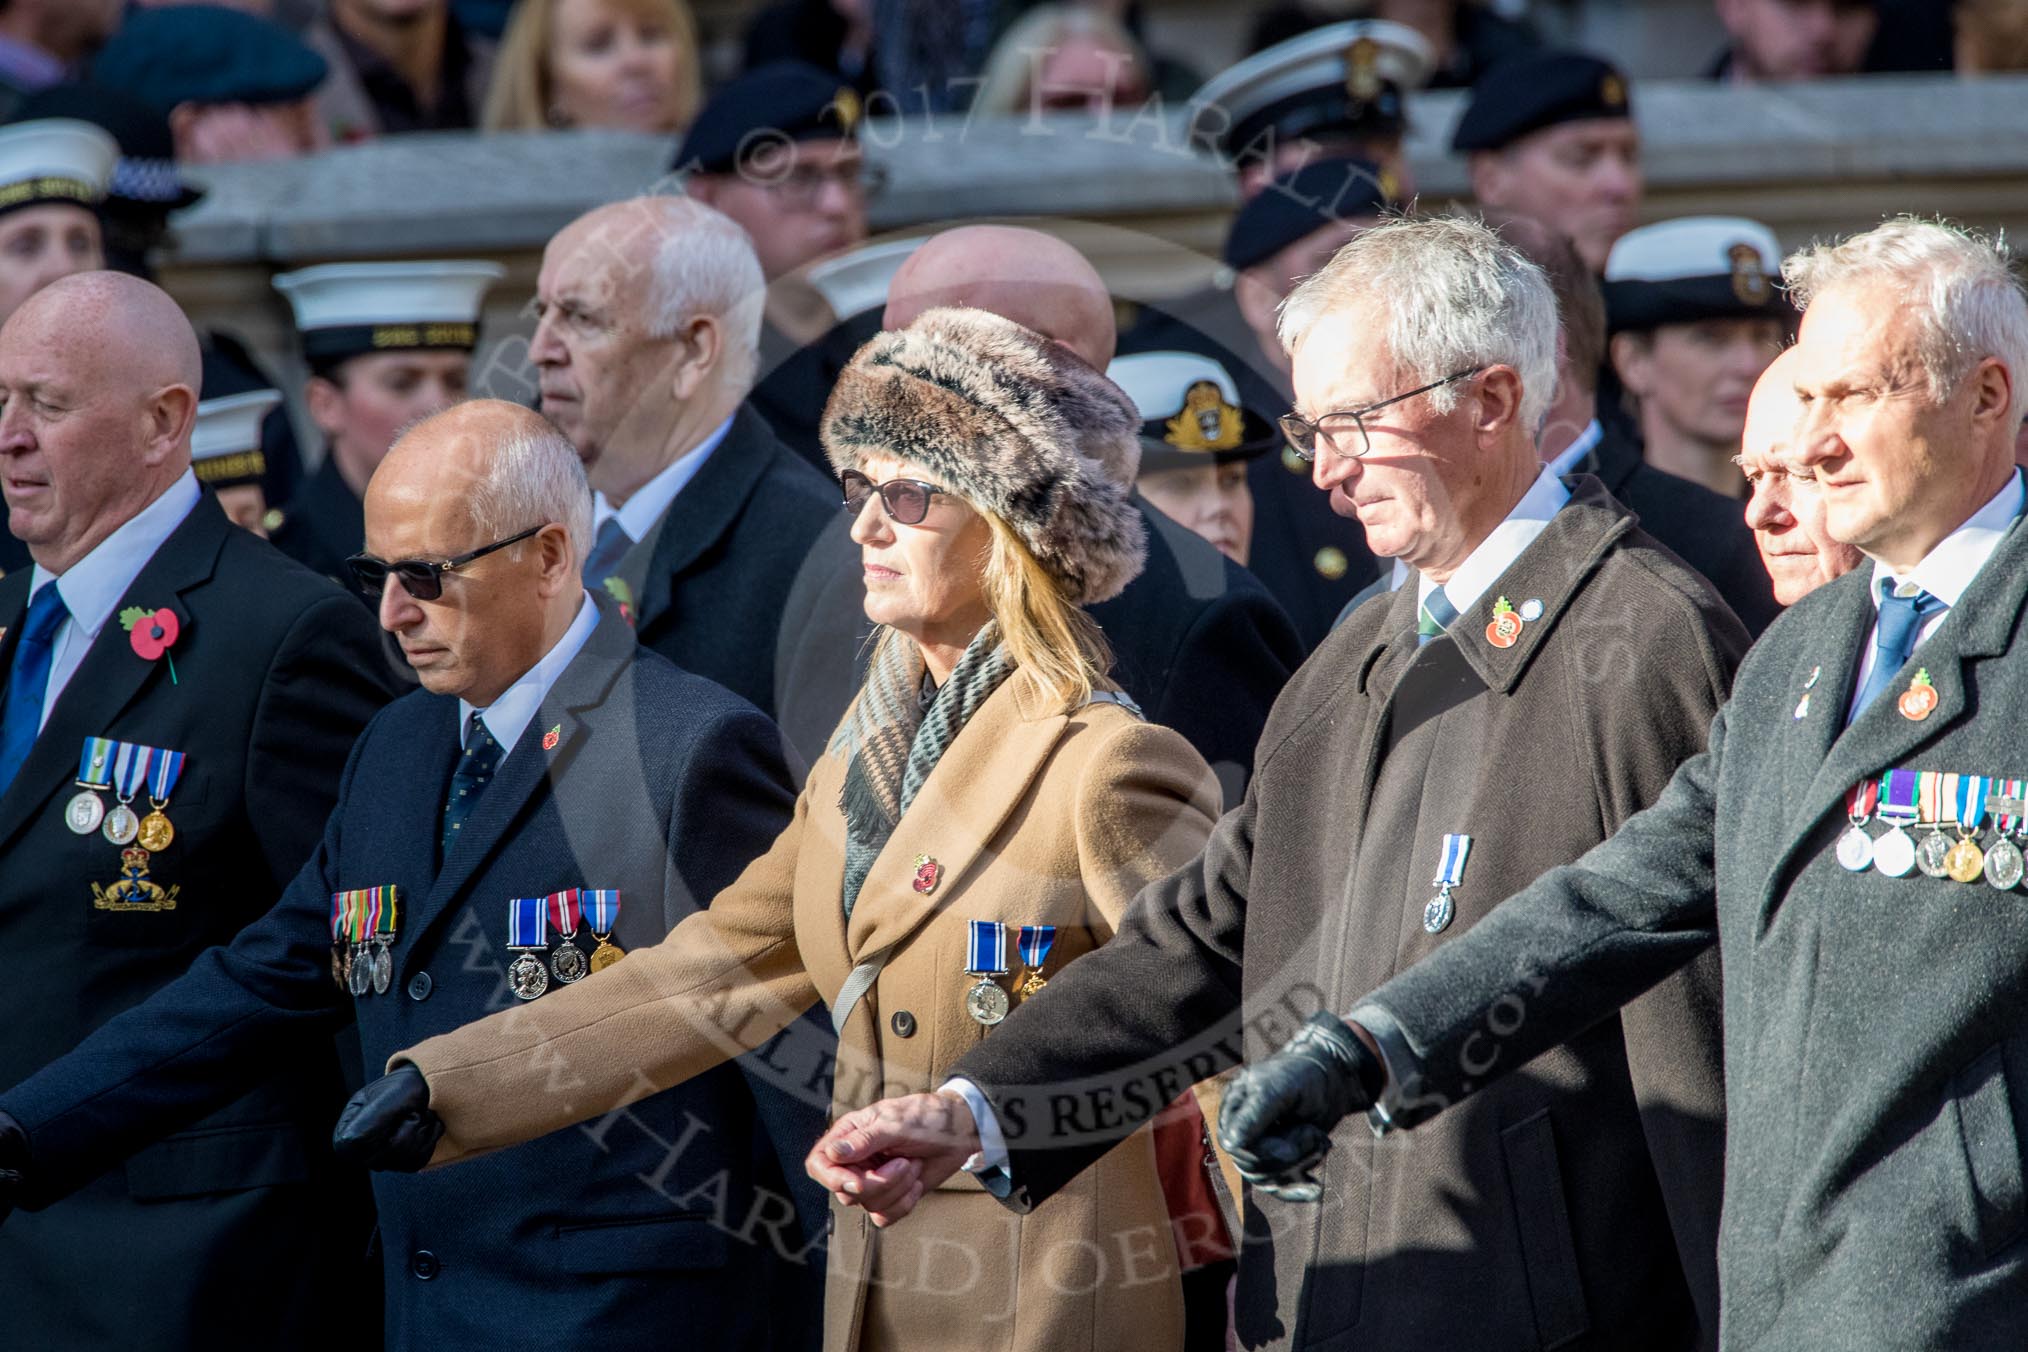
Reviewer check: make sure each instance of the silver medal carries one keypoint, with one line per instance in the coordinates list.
(1894, 853)
(1439, 912)
(569, 962)
(527, 977)
(361, 978)
(121, 825)
(1855, 850)
(987, 1002)
(1932, 854)
(84, 813)
(2003, 864)
(383, 969)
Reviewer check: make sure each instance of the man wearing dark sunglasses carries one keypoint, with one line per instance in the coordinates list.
(548, 757)
(150, 621)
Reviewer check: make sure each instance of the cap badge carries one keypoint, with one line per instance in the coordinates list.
(1207, 422)
(848, 108)
(1362, 73)
(1612, 91)
(1749, 279)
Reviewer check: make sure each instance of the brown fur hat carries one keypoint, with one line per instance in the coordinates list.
(1011, 422)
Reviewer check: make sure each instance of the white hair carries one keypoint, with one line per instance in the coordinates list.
(534, 478)
(704, 264)
(1956, 283)
(1455, 296)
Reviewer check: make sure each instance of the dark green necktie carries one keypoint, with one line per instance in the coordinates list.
(1434, 616)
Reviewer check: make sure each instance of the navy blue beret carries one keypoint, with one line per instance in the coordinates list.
(206, 54)
(145, 175)
(783, 100)
(1536, 91)
(1294, 205)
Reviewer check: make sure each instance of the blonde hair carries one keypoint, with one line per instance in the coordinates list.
(1052, 640)
(519, 95)
(1006, 85)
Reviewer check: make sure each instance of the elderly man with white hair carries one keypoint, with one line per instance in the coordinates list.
(1536, 687)
(1849, 843)
(646, 347)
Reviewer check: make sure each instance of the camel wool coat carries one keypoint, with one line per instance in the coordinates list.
(1033, 816)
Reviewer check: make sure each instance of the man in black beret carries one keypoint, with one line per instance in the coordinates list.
(778, 151)
(1552, 136)
(234, 87)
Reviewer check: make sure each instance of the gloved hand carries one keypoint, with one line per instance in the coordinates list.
(14, 1161)
(1277, 1118)
(388, 1125)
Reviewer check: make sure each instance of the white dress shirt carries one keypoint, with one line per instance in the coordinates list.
(507, 717)
(1945, 571)
(92, 586)
(639, 513)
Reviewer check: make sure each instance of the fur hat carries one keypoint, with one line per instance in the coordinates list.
(1013, 423)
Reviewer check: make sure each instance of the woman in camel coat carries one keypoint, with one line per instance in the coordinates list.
(986, 773)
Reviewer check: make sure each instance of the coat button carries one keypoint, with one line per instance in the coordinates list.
(903, 1023)
(419, 986)
(423, 1264)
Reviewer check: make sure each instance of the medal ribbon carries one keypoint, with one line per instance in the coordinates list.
(130, 769)
(94, 767)
(2010, 796)
(1971, 802)
(164, 769)
(564, 911)
(525, 922)
(1035, 943)
(350, 919)
(601, 909)
(1860, 802)
(1929, 796)
(1897, 797)
(988, 951)
(1451, 866)
(386, 908)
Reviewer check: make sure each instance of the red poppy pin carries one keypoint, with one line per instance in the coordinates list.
(152, 633)
(927, 872)
(552, 737)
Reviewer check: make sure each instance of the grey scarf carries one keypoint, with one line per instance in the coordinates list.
(894, 738)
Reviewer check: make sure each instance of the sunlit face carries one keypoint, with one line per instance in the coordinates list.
(1403, 492)
(797, 202)
(927, 580)
(1799, 39)
(1785, 511)
(612, 65)
(1693, 380)
(1582, 179)
(1211, 500)
(363, 405)
(40, 244)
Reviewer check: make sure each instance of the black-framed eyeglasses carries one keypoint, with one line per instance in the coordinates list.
(905, 500)
(422, 579)
(1302, 433)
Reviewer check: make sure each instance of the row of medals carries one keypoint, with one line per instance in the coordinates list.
(1963, 860)
(87, 812)
(364, 967)
(528, 976)
(988, 1001)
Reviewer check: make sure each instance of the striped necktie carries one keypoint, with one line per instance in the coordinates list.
(1435, 616)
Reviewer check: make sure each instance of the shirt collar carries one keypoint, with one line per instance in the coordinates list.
(92, 586)
(1949, 568)
(507, 717)
(640, 512)
(1570, 457)
(1497, 552)
(28, 67)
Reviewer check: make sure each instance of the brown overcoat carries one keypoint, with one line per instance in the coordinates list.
(1031, 817)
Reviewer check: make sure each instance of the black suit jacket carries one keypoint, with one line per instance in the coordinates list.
(653, 1219)
(276, 672)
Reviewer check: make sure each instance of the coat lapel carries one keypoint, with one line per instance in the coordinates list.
(112, 675)
(704, 511)
(961, 807)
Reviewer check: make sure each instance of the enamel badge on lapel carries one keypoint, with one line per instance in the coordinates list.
(1919, 700)
(1505, 630)
(134, 891)
(552, 737)
(1531, 610)
(1815, 672)
(1803, 707)
(928, 873)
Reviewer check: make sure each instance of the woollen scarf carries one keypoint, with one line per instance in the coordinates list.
(894, 739)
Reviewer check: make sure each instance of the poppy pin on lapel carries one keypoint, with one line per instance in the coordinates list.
(552, 737)
(1505, 630)
(1919, 701)
(928, 872)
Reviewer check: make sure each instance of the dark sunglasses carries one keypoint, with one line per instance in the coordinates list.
(905, 500)
(422, 579)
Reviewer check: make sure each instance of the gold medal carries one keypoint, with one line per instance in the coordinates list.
(1032, 983)
(155, 832)
(605, 955)
(1966, 863)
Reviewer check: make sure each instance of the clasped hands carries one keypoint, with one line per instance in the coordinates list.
(884, 1157)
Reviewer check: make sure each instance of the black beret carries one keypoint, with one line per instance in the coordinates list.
(1314, 196)
(206, 54)
(1539, 90)
(145, 176)
(780, 101)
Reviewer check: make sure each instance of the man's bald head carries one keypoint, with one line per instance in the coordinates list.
(1032, 278)
(474, 475)
(1785, 509)
(1772, 411)
(99, 376)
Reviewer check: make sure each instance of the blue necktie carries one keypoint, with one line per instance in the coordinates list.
(1435, 616)
(474, 773)
(1901, 619)
(608, 548)
(28, 681)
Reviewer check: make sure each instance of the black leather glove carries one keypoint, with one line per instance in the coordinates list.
(388, 1125)
(1277, 1117)
(14, 1159)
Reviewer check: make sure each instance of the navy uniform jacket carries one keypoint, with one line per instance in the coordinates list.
(237, 1212)
(324, 524)
(644, 1226)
